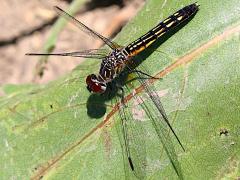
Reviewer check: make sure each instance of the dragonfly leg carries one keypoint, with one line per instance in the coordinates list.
(140, 78)
(143, 73)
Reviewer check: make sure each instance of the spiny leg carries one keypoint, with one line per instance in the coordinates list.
(143, 73)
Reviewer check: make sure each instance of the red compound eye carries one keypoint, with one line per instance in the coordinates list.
(93, 84)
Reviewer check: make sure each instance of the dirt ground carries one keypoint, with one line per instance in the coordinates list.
(25, 26)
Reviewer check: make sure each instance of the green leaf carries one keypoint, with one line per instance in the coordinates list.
(12, 88)
(60, 131)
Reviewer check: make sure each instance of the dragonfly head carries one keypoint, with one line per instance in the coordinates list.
(94, 85)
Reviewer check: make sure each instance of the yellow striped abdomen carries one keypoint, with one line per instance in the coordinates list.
(151, 36)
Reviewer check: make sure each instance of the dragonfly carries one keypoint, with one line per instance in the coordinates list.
(114, 63)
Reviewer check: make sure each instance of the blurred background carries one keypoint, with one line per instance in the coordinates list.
(26, 26)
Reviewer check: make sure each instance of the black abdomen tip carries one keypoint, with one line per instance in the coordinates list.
(192, 7)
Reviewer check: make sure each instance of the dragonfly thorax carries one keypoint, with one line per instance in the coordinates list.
(111, 66)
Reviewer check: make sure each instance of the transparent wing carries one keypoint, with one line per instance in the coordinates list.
(133, 142)
(86, 29)
(90, 53)
(160, 122)
(134, 135)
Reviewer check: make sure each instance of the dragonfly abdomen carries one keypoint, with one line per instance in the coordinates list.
(169, 23)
